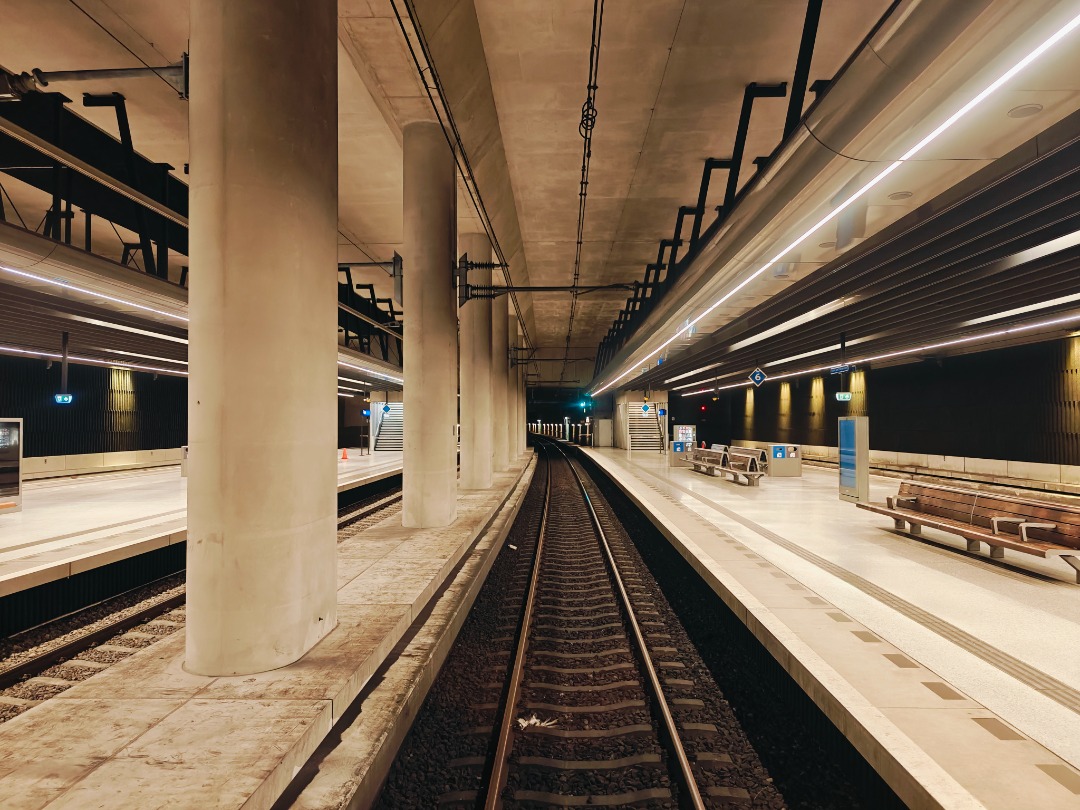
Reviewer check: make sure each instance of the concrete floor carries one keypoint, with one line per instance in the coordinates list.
(147, 734)
(912, 639)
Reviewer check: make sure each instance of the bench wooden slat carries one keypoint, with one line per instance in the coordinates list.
(1051, 530)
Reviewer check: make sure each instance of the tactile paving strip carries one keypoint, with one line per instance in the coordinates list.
(1054, 689)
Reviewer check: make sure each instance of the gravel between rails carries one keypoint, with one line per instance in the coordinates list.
(581, 677)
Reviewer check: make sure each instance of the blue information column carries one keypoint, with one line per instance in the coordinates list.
(854, 434)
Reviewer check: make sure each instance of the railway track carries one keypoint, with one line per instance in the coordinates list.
(42, 662)
(589, 695)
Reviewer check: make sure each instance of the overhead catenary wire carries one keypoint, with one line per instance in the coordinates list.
(585, 129)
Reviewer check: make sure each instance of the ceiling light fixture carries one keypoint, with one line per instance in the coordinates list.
(93, 294)
(94, 361)
(943, 127)
(1025, 111)
(134, 330)
(143, 356)
(900, 195)
(1065, 299)
(372, 372)
(908, 352)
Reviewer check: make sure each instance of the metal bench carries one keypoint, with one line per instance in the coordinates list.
(1002, 522)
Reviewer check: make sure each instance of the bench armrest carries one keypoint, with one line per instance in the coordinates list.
(996, 521)
(1025, 526)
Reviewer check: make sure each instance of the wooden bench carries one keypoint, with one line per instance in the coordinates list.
(760, 457)
(1026, 525)
(707, 461)
(712, 461)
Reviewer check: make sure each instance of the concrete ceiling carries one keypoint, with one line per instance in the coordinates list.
(671, 79)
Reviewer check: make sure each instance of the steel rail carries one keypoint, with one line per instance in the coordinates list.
(692, 796)
(69, 649)
(496, 780)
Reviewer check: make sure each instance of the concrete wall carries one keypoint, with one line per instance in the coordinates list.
(114, 410)
(1020, 404)
(35, 467)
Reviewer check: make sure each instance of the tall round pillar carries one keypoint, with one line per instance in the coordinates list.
(511, 388)
(261, 551)
(429, 475)
(477, 432)
(500, 351)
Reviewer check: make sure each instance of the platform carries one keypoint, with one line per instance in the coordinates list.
(957, 677)
(146, 734)
(71, 525)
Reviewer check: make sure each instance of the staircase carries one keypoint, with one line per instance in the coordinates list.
(644, 431)
(391, 434)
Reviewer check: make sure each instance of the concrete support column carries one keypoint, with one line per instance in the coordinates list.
(500, 347)
(261, 551)
(522, 438)
(429, 477)
(477, 431)
(511, 389)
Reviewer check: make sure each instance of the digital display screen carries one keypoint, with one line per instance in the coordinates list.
(9, 459)
(847, 454)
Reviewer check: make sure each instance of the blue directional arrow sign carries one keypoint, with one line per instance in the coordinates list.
(757, 376)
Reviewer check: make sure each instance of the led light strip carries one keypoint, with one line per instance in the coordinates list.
(143, 356)
(371, 372)
(94, 361)
(903, 352)
(63, 284)
(1046, 45)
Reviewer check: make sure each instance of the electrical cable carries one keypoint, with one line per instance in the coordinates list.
(585, 129)
(95, 21)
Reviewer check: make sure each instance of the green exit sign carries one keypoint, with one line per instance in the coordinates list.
(843, 396)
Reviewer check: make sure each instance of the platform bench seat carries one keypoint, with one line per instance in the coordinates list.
(707, 461)
(1026, 525)
(760, 457)
(711, 462)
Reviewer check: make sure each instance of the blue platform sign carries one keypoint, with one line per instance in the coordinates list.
(366, 412)
(779, 452)
(386, 409)
(757, 377)
(645, 408)
(663, 411)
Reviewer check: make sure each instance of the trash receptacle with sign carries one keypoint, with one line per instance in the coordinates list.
(785, 460)
(685, 439)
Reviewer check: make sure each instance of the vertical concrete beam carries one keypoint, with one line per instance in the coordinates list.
(500, 348)
(477, 431)
(429, 476)
(511, 387)
(261, 551)
(522, 438)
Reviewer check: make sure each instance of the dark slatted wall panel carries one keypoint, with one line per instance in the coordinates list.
(114, 409)
(1021, 404)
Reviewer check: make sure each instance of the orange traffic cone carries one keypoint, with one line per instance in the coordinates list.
(345, 454)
